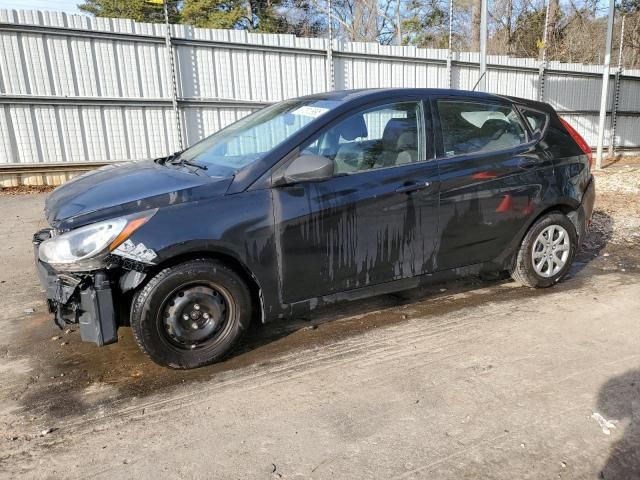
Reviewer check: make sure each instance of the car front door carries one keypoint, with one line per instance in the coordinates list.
(492, 178)
(375, 220)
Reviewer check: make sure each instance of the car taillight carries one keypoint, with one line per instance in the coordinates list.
(579, 140)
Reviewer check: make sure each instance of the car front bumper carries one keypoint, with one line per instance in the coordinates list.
(85, 299)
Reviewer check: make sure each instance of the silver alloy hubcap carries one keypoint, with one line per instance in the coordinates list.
(551, 251)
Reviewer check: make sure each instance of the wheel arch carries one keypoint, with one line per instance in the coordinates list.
(229, 260)
(567, 209)
(564, 208)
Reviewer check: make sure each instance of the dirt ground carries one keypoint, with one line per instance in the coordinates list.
(473, 379)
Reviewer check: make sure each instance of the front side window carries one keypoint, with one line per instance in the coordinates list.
(251, 138)
(379, 137)
(470, 127)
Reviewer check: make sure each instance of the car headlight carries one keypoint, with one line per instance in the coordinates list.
(84, 248)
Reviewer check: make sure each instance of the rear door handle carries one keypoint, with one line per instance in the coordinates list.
(412, 187)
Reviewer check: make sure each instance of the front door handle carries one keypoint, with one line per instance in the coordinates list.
(412, 187)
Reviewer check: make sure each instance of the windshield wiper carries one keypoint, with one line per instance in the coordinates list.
(163, 160)
(184, 161)
(174, 159)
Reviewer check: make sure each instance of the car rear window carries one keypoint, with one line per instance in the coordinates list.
(469, 127)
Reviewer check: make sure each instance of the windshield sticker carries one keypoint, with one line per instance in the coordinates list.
(137, 252)
(307, 111)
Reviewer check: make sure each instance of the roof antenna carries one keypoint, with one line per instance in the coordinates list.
(478, 82)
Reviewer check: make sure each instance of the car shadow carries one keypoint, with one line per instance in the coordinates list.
(381, 310)
(619, 400)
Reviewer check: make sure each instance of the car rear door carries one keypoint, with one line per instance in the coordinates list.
(376, 219)
(492, 176)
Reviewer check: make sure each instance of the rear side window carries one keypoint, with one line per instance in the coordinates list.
(537, 120)
(470, 127)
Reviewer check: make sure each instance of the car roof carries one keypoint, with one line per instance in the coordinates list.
(375, 93)
(346, 95)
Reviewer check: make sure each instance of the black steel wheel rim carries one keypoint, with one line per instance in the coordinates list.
(196, 315)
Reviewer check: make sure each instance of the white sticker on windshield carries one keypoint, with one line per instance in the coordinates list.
(307, 111)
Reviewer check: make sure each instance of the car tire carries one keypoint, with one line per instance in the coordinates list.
(556, 255)
(191, 314)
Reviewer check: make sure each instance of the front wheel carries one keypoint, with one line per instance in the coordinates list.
(547, 251)
(191, 314)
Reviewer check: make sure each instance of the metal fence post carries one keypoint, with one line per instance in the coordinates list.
(543, 61)
(482, 80)
(614, 113)
(331, 81)
(541, 80)
(605, 86)
(450, 47)
(616, 95)
(172, 71)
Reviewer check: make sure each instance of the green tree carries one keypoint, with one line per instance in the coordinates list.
(214, 13)
(138, 10)
(528, 33)
(269, 16)
(298, 17)
(425, 24)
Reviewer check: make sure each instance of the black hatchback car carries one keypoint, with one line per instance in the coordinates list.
(309, 201)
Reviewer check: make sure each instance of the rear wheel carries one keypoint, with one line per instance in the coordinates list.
(191, 314)
(547, 251)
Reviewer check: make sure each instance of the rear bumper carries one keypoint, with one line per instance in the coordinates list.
(85, 299)
(581, 217)
(589, 199)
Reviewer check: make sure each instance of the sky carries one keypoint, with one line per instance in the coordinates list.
(68, 6)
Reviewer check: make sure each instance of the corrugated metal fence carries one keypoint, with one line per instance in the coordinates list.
(77, 91)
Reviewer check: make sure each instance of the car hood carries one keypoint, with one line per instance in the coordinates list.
(126, 188)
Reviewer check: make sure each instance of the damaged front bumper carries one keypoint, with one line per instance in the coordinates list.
(86, 299)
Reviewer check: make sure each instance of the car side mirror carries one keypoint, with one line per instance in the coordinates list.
(308, 168)
(537, 135)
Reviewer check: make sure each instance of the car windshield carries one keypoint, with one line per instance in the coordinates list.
(251, 138)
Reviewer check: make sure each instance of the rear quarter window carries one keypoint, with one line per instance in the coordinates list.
(536, 120)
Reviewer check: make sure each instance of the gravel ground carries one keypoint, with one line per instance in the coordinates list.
(624, 179)
(618, 201)
(26, 189)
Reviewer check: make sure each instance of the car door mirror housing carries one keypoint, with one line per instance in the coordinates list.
(307, 168)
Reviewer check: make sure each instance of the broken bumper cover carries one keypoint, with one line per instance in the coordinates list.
(84, 299)
(581, 217)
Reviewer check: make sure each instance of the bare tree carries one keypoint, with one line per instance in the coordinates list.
(553, 25)
(365, 20)
(475, 25)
